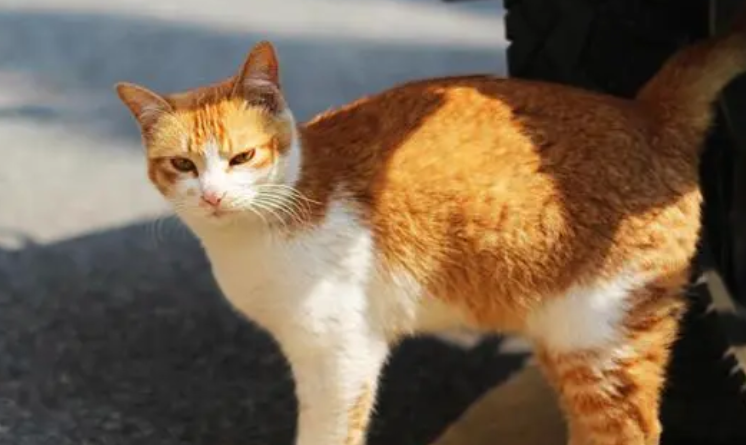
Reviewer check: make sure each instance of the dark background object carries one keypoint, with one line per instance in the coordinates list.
(614, 46)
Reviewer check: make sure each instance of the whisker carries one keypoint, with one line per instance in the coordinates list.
(276, 201)
(257, 213)
(153, 228)
(302, 206)
(165, 225)
(286, 207)
(294, 191)
(286, 193)
(269, 209)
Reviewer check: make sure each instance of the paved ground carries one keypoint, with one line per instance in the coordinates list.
(111, 330)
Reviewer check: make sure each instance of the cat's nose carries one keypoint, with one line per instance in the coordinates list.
(212, 198)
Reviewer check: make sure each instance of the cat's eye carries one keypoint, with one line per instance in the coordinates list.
(183, 165)
(243, 158)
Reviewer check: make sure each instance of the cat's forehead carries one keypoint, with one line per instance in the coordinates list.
(227, 118)
(229, 125)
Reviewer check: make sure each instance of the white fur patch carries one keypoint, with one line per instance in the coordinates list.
(214, 178)
(268, 278)
(462, 338)
(292, 162)
(586, 317)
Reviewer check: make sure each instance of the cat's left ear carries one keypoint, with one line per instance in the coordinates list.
(258, 80)
(146, 106)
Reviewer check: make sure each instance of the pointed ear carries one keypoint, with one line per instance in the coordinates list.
(260, 66)
(146, 106)
(258, 81)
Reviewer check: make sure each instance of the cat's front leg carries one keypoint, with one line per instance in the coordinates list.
(336, 360)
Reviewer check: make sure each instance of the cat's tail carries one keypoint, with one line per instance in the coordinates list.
(682, 93)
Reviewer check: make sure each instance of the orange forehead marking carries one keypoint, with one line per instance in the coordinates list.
(229, 124)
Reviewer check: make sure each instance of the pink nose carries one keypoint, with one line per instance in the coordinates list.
(213, 198)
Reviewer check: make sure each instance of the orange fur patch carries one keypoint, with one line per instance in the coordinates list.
(359, 416)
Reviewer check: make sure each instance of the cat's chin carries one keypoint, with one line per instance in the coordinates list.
(216, 218)
(221, 217)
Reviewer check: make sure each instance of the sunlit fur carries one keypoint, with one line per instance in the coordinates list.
(463, 202)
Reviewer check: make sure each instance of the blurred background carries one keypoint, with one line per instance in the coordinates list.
(111, 329)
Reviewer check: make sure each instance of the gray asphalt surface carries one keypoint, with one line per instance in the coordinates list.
(111, 328)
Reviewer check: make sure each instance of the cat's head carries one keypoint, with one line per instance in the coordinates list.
(222, 152)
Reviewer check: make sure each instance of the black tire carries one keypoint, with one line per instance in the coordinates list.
(614, 46)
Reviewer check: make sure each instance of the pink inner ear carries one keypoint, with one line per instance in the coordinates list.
(261, 65)
(262, 73)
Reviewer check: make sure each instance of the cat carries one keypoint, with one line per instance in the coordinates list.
(498, 205)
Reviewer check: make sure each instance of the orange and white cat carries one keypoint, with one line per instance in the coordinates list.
(464, 202)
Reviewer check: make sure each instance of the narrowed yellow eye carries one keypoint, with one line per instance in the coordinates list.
(183, 165)
(243, 158)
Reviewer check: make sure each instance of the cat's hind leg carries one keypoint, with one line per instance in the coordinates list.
(605, 350)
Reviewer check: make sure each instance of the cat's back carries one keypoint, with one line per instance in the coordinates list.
(498, 124)
(471, 136)
(472, 101)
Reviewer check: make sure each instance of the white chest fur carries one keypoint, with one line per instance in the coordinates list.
(323, 276)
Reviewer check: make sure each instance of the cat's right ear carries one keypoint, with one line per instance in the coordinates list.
(258, 80)
(146, 106)
(260, 66)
